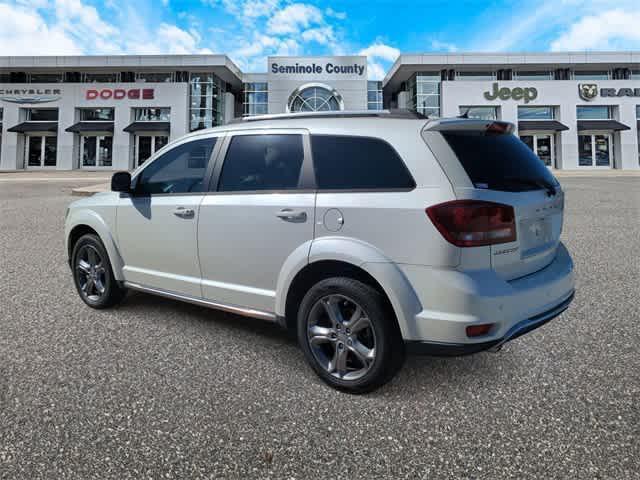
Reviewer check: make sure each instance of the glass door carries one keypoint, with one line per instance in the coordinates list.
(147, 145)
(603, 149)
(544, 149)
(542, 145)
(41, 151)
(34, 151)
(96, 151)
(595, 150)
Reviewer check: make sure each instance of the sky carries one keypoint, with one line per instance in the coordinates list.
(250, 30)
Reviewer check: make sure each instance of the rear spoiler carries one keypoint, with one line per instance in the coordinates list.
(468, 124)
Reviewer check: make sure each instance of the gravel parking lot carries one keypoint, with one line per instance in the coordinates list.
(160, 389)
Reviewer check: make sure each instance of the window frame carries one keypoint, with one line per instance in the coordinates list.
(135, 177)
(82, 110)
(307, 178)
(611, 113)
(136, 110)
(364, 190)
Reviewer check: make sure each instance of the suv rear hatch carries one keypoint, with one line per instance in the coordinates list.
(487, 163)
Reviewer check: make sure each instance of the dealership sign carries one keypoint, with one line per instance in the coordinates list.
(317, 69)
(589, 91)
(30, 95)
(517, 93)
(120, 94)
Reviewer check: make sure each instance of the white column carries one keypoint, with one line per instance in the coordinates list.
(67, 156)
(229, 107)
(10, 154)
(628, 158)
(121, 155)
(568, 138)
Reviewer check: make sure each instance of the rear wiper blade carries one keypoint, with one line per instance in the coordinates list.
(540, 183)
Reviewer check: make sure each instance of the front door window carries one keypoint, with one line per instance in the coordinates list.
(96, 151)
(595, 150)
(147, 145)
(542, 145)
(41, 151)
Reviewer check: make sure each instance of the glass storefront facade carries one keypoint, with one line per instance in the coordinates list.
(255, 99)
(206, 101)
(374, 95)
(424, 93)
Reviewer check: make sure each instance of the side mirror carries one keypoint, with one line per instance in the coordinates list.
(121, 182)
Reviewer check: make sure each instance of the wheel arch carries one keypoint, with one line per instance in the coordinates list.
(336, 256)
(85, 222)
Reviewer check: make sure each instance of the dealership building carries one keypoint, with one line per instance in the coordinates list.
(574, 110)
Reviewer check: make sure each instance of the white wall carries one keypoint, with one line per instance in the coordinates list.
(564, 95)
(172, 95)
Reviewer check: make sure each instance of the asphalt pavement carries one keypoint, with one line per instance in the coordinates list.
(160, 389)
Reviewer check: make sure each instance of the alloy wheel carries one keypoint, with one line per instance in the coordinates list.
(91, 273)
(341, 337)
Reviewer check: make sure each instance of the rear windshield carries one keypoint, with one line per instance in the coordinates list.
(499, 161)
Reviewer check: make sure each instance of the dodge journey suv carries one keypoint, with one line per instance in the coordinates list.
(367, 234)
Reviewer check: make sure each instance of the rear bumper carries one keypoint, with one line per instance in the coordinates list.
(452, 300)
(458, 349)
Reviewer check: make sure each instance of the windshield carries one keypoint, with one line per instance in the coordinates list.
(499, 161)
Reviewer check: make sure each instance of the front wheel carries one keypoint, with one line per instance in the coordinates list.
(349, 335)
(93, 275)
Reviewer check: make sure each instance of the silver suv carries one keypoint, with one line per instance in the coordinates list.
(368, 234)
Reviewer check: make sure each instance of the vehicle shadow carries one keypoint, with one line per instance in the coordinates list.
(419, 374)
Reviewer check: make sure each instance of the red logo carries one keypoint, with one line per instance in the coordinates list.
(120, 93)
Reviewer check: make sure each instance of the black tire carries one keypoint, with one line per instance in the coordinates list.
(96, 286)
(381, 335)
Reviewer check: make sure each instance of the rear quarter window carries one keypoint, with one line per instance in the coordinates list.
(358, 163)
(498, 161)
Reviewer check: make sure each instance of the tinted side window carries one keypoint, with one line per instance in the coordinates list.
(352, 163)
(262, 162)
(180, 170)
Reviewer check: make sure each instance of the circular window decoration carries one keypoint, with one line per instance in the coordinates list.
(314, 97)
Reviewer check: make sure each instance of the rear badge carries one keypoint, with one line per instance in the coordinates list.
(505, 251)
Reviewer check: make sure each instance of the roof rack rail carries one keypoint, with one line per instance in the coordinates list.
(391, 113)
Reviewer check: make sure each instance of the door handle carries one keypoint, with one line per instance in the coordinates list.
(184, 212)
(290, 215)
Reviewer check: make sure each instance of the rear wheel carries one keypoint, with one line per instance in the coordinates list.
(93, 275)
(348, 335)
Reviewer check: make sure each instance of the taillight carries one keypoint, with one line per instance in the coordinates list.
(474, 223)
